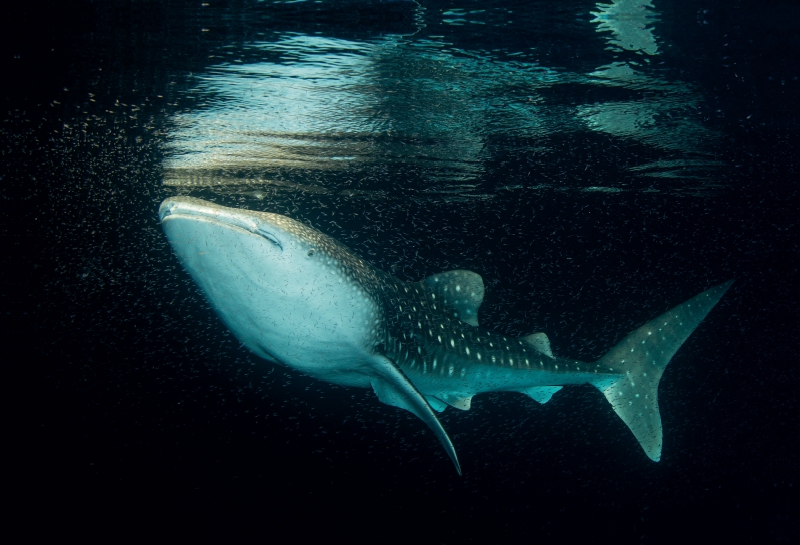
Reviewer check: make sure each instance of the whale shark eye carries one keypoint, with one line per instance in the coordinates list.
(310, 253)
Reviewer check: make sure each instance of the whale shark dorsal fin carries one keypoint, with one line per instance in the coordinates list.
(393, 388)
(540, 343)
(460, 293)
(542, 394)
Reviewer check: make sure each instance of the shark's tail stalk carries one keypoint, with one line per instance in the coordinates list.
(642, 356)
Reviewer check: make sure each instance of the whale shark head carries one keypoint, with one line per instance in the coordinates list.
(286, 290)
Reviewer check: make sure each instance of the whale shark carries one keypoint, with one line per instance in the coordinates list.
(295, 296)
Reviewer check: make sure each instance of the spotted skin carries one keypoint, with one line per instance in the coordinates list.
(295, 296)
(448, 358)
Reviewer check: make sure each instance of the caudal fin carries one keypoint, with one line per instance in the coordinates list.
(642, 356)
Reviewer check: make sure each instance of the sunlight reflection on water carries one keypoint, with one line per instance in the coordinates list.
(419, 108)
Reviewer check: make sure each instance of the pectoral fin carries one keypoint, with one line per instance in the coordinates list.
(393, 388)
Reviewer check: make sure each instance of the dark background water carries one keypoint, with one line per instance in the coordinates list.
(596, 164)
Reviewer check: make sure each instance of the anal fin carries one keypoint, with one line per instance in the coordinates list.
(542, 394)
(393, 388)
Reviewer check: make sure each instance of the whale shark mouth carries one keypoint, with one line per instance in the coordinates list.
(190, 208)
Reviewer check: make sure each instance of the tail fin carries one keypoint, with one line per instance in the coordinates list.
(642, 356)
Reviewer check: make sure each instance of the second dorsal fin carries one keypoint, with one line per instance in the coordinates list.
(540, 343)
(459, 292)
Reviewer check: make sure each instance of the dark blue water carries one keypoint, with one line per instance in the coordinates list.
(595, 163)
